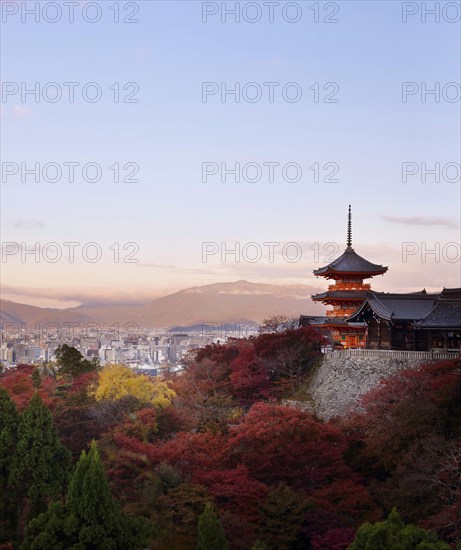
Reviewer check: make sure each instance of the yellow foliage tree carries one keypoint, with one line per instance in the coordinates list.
(117, 381)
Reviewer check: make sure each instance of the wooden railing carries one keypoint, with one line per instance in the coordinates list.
(395, 354)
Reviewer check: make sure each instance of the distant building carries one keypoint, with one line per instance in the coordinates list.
(20, 353)
(109, 355)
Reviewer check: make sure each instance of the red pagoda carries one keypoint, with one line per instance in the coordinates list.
(345, 296)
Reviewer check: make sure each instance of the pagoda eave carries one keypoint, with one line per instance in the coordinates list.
(343, 328)
(342, 297)
(332, 274)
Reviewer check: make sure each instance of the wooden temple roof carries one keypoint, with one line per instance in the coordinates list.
(446, 314)
(426, 310)
(350, 263)
(342, 295)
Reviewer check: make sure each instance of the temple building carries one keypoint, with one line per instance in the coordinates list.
(344, 296)
(360, 318)
(413, 322)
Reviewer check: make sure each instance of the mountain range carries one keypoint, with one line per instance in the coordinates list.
(239, 301)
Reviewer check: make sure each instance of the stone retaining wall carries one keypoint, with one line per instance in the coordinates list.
(339, 381)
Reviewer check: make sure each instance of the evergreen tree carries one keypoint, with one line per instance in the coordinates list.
(210, 531)
(92, 514)
(41, 464)
(70, 361)
(36, 379)
(283, 514)
(9, 421)
(90, 518)
(393, 533)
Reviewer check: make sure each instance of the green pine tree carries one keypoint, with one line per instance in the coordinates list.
(393, 533)
(70, 361)
(9, 422)
(90, 518)
(93, 515)
(283, 514)
(210, 531)
(40, 466)
(36, 378)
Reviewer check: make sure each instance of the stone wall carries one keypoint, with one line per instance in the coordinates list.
(340, 380)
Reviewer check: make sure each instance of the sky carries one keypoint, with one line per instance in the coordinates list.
(332, 106)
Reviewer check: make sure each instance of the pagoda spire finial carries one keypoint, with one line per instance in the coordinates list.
(349, 228)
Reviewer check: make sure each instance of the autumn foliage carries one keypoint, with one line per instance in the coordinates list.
(212, 456)
(118, 382)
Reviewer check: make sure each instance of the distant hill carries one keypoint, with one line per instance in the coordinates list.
(239, 301)
(12, 312)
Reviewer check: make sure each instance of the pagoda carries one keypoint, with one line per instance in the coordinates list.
(345, 295)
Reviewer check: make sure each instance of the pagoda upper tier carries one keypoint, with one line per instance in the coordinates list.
(348, 272)
(350, 265)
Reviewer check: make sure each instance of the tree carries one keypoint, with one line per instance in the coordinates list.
(333, 539)
(250, 378)
(73, 420)
(71, 361)
(393, 533)
(36, 379)
(280, 443)
(406, 441)
(178, 512)
(407, 406)
(210, 531)
(248, 370)
(279, 323)
(90, 518)
(290, 355)
(283, 514)
(9, 422)
(235, 491)
(117, 381)
(41, 464)
(19, 383)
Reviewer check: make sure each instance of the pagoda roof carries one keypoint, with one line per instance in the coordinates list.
(325, 321)
(423, 308)
(350, 263)
(355, 295)
(440, 310)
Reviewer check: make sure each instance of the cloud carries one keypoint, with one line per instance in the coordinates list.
(157, 266)
(27, 224)
(20, 112)
(17, 111)
(84, 296)
(421, 220)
